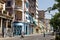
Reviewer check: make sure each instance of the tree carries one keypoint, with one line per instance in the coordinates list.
(55, 22)
(56, 5)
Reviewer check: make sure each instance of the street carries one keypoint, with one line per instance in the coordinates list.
(30, 37)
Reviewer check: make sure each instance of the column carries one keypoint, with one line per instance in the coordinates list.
(23, 10)
(11, 27)
(22, 27)
(1, 26)
(28, 29)
(5, 29)
(6, 23)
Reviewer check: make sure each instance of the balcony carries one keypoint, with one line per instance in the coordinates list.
(18, 8)
(5, 12)
(4, 15)
(18, 15)
(18, 3)
(32, 14)
(8, 5)
(34, 21)
(2, 1)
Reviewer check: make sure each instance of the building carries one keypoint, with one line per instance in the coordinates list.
(41, 17)
(23, 18)
(41, 14)
(5, 19)
(33, 9)
(47, 24)
(19, 16)
(28, 21)
(44, 23)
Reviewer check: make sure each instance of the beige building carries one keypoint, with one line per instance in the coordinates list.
(24, 13)
(43, 23)
(41, 17)
(5, 19)
(47, 25)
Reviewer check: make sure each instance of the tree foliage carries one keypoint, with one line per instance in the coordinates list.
(56, 5)
(55, 21)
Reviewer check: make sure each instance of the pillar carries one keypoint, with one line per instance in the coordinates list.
(1, 26)
(6, 23)
(23, 10)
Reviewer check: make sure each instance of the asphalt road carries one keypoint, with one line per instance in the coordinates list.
(31, 37)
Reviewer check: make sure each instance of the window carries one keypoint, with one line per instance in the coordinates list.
(0, 11)
(26, 29)
(37, 31)
(10, 13)
(9, 24)
(27, 5)
(26, 18)
(8, 3)
(30, 18)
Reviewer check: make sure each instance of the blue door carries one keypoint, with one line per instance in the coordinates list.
(17, 30)
(26, 29)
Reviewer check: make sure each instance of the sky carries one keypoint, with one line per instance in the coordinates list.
(44, 4)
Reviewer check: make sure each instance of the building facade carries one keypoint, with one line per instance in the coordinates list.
(19, 16)
(41, 17)
(23, 19)
(33, 9)
(47, 24)
(5, 19)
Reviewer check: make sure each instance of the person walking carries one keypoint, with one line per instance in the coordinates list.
(22, 34)
(44, 34)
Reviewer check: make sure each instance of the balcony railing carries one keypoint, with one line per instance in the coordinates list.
(5, 12)
(17, 8)
(4, 15)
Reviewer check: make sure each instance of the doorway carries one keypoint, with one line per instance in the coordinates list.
(17, 30)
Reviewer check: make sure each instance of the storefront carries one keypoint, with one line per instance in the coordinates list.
(18, 28)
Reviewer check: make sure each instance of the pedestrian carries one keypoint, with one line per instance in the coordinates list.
(44, 34)
(22, 34)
